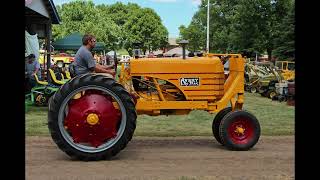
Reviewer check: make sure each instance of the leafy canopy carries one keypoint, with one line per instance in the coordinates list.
(117, 25)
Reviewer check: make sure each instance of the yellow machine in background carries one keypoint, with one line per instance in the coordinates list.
(93, 116)
(287, 69)
(61, 57)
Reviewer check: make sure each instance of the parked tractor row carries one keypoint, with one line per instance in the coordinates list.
(274, 82)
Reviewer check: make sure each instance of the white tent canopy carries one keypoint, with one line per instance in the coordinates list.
(175, 51)
(157, 52)
(111, 53)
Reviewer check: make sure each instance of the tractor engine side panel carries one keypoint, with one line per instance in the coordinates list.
(197, 78)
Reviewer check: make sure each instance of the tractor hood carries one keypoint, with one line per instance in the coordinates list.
(197, 65)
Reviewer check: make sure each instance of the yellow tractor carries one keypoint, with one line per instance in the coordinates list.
(93, 116)
(287, 69)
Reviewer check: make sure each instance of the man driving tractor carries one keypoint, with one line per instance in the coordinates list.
(84, 61)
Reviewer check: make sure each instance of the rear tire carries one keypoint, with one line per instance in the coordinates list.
(253, 90)
(57, 104)
(217, 121)
(239, 130)
(271, 93)
(282, 98)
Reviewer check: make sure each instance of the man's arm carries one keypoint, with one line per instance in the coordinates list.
(108, 66)
(101, 69)
(96, 67)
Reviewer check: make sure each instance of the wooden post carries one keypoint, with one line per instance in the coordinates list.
(48, 38)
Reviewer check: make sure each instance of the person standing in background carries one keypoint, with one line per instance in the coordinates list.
(32, 68)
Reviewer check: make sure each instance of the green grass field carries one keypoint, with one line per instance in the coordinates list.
(275, 119)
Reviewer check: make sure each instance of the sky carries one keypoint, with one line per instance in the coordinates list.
(173, 13)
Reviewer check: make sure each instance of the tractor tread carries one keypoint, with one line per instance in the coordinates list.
(217, 121)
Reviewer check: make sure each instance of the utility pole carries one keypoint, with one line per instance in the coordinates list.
(208, 27)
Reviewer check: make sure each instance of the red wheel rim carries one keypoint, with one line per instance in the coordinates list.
(241, 131)
(93, 102)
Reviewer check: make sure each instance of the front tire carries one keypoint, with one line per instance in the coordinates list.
(239, 130)
(271, 93)
(107, 89)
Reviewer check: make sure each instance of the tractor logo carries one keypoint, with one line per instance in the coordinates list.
(189, 81)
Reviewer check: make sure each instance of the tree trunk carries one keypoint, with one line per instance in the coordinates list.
(269, 51)
(129, 50)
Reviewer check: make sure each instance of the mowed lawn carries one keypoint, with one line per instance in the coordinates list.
(275, 119)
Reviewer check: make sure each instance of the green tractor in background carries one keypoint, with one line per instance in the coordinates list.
(40, 94)
(43, 91)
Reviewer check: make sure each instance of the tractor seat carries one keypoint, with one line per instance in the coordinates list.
(62, 77)
(68, 75)
(54, 79)
(40, 82)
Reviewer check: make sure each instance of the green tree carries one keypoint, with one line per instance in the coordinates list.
(116, 25)
(194, 33)
(84, 17)
(260, 19)
(145, 27)
(221, 19)
(243, 26)
(284, 41)
(119, 13)
(73, 15)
